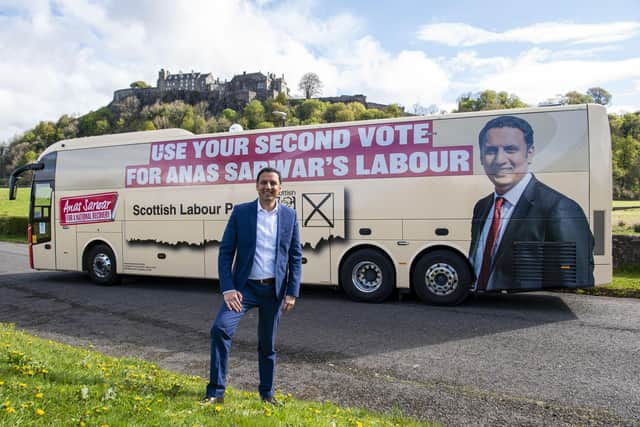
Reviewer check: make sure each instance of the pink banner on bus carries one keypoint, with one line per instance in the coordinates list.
(88, 209)
(382, 150)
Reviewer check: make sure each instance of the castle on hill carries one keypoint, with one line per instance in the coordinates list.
(236, 93)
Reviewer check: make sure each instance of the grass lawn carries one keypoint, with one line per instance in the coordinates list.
(43, 382)
(626, 284)
(18, 207)
(626, 203)
(626, 221)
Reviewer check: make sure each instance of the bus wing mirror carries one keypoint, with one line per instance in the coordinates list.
(13, 179)
(12, 187)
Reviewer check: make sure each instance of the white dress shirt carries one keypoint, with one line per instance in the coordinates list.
(264, 261)
(511, 198)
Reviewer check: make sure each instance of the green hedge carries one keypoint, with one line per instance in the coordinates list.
(13, 226)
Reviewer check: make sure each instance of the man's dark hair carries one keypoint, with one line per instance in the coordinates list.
(507, 122)
(268, 169)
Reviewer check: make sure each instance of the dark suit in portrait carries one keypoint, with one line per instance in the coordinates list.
(547, 242)
(525, 235)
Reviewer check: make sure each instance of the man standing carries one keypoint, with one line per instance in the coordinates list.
(263, 237)
(525, 235)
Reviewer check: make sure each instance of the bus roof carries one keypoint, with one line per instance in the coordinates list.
(118, 139)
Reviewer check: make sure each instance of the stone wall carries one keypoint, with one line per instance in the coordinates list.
(626, 250)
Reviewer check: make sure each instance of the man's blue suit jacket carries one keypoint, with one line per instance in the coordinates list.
(239, 242)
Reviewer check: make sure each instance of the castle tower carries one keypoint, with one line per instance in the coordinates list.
(163, 75)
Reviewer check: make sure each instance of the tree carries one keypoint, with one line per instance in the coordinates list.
(599, 95)
(626, 168)
(372, 113)
(393, 110)
(67, 127)
(281, 98)
(488, 100)
(345, 115)
(265, 125)
(188, 121)
(310, 85)
(332, 110)
(229, 114)
(127, 109)
(253, 113)
(139, 85)
(575, 97)
(357, 108)
(311, 111)
(94, 122)
(421, 110)
(200, 124)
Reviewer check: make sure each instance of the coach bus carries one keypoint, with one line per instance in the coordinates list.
(447, 205)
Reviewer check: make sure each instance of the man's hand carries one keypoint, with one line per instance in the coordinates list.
(289, 302)
(233, 300)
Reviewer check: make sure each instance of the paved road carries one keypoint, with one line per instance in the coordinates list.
(522, 359)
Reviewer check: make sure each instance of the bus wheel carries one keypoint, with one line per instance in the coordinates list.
(367, 275)
(102, 266)
(441, 277)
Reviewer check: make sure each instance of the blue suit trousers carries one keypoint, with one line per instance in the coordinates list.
(253, 295)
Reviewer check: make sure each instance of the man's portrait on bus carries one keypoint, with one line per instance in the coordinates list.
(525, 235)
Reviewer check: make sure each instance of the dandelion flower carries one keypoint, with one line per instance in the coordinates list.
(6, 404)
(39, 395)
(1, 382)
(23, 385)
(10, 410)
(218, 408)
(137, 398)
(39, 412)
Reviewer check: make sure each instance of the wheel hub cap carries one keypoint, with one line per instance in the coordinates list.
(366, 276)
(441, 279)
(101, 266)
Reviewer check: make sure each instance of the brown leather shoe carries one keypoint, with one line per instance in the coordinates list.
(272, 400)
(212, 401)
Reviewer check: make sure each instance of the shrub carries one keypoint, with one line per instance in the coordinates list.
(13, 226)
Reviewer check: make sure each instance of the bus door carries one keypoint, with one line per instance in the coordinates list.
(40, 218)
(41, 214)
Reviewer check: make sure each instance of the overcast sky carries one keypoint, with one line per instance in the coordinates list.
(68, 56)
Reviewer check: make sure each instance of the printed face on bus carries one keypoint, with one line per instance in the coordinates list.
(268, 187)
(505, 157)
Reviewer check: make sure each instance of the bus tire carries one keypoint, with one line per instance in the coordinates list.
(367, 275)
(441, 277)
(101, 265)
